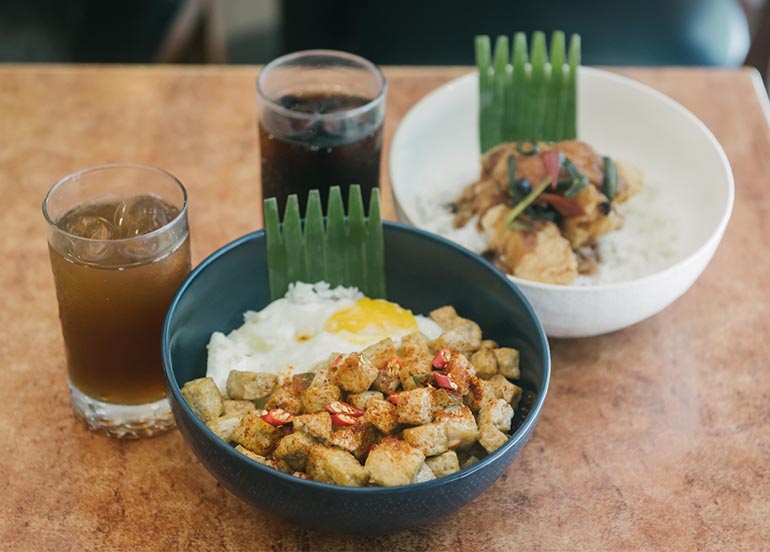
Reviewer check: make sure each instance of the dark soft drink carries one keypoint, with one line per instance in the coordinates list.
(299, 153)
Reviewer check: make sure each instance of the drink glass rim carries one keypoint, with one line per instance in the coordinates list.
(106, 166)
(323, 116)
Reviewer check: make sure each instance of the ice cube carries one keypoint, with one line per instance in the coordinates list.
(141, 215)
(90, 226)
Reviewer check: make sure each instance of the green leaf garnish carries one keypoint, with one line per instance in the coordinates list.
(344, 251)
(610, 182)
(524, 203)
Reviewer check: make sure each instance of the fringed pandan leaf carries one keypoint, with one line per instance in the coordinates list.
(570, 111)
(519, 116)
(375, 250)
(488, 130)
(537, 87)
(500, 84)
(556, 90)
(344, 251)
(521, 96)
(336, 238)
(354, 252)
(315, 238)
(277, 274)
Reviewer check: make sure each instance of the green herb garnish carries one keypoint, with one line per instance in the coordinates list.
(524, 203)
(523, 97)
(610, 181)
(343, 251)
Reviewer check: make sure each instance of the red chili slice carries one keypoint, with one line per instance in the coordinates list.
(552, 164)
(393, 398)
(567, 207)
(344, 419)
(441, 358)
(339, 407)
(444, 381)
(277, 417)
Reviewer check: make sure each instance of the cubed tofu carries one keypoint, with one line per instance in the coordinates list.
(442, 398)
(294, 449)
(235, 407)
(355, 439)
(336, 466)
(415, 407)
(393, 462)
(250, 385)
(489, 344)
(444, 464)
(491, 438)
(323, 376)
(415, 359)
(485, 362)
(204, 398)
(504, 389)
(469, 461)
(382, 415)
(496, 412)
(462, 430)
(460, 370)
(362, 400)
(388, 378)
(316, 397)
(287, 397)
(317, 425)
(464, 338)
(446, 317)
(430, 439)
(479, 391)
(380, 353)
(256, 434)
(508, 362)
(254, 456)
(353, 372)
(224, 426)
(423, 474)
(300, 382)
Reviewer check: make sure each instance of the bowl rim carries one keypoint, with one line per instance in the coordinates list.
(710, 242)
(524, 429)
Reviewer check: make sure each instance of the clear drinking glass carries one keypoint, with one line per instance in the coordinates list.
(320, 124)
(120, 248)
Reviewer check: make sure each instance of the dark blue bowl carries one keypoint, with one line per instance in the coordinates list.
(424, 272)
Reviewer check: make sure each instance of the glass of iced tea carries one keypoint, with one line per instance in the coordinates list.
(120, 247)
(320, 124)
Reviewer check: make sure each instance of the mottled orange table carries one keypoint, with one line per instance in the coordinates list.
(655, 437)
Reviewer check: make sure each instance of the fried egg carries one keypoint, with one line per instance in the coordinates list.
(298, 332)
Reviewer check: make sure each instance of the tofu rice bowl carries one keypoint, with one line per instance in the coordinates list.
(329, 385)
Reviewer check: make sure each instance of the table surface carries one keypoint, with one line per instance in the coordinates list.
(655, 437)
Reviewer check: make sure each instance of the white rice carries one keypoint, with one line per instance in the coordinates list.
(302, 293)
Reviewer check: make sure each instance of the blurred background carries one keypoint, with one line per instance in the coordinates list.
(655, 32)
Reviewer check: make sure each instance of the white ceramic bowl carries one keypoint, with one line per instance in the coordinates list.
(435, 154)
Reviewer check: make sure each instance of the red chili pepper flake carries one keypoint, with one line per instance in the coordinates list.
(344, 420)
(567, 207)
(337, 361)
(552, 163)
(441, 358)
(339, 407)
(442, 380)
(393, 398)
(277, 417)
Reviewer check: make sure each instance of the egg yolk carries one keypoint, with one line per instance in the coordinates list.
(369, 319)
